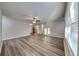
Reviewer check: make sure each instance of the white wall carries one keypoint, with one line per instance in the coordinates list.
(56, 28)
(56, 20)
(12, 28)
(0, 31)
(58, 12)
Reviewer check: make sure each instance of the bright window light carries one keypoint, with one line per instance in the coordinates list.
(72, 12)
(48, 30)
(45, 31)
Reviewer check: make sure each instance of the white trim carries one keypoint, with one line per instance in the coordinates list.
(15, 37)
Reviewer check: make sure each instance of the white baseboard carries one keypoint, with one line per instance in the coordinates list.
(54, 36)
(14, 37)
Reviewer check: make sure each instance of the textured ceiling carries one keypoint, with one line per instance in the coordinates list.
(27, 10)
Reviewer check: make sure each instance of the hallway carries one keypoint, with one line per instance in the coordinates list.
(33, 45)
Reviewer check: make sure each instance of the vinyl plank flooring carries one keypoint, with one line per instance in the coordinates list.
(33, 45)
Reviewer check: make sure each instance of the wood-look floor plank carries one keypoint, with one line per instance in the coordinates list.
(41, 48)
(33, 45)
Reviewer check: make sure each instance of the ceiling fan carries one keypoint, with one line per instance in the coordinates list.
(35, 20)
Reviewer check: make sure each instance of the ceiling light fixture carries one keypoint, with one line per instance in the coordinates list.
(34, 21)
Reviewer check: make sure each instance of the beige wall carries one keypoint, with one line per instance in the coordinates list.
(14, 28)
(0, 31)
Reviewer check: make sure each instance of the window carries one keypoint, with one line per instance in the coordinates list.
(47, 31)
(71, 30)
